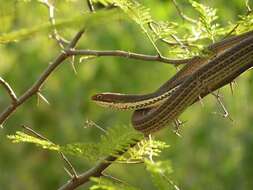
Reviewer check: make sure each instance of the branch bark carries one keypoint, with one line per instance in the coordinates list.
(95, 171)
(127, 54)
(39, 82)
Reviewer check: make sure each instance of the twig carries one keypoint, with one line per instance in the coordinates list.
(225, 113)
(183, 16)
(9, 90)
(114, 178)
(249, 11)
(90, 5)
(36, 134)
(95, 171)
(73, 171)
(39, 82)
(90, 123)
(60, 40)
(170, 182)
(153, 43)
(248, 6)
(131, 55)
(178, 41)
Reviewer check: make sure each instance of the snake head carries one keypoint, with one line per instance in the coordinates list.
(97, 97)
(105, 97)
(112, 100)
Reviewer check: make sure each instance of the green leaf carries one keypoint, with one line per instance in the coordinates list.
(146, 148)
(246, 23)
(89, 151)
(21, 137)
(117, 139)
(207, 19)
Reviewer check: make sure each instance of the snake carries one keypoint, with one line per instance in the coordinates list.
(199, 77)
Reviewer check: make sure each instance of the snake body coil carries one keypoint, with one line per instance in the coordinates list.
(201, 76)
(215, 74)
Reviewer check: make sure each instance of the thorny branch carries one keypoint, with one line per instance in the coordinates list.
(35, 88)
(127, 54)
(69, 51)
(73, 173)
(90, 5)
(95, 171)
(76, 180)
(51, 11)
(181, 14)
(9, 90)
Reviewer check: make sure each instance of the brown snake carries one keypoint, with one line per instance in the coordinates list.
(216, 73)
(202, 75)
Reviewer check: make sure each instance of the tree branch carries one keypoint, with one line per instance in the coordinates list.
(39, 82)
(64, 158)
(126, 54)
(95, 171)
(51, 9)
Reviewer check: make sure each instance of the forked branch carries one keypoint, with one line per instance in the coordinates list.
(38, 83)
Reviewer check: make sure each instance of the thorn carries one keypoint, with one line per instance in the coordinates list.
(177, 124)
(86, 58)
(1, 126)
(178, 134)
(40, 96)
(235, 83)
(72, 171)
(177, 68)
(63, 51)
(68, 172)
(232, 86)
(73, 64)
(90, 124)
(225, 113)
(201, 101)
(113, 178)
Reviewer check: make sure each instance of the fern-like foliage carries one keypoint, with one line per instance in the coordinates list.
(115, 140)
(207, 20)
(245, 23)
(21, 137)
(163, 29)
(147, 148)
(137, 12)
(159, 172)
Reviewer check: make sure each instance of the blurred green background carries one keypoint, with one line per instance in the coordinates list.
(213, 153)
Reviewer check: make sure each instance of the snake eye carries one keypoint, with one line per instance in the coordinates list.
(96, 97)
(99, 96)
